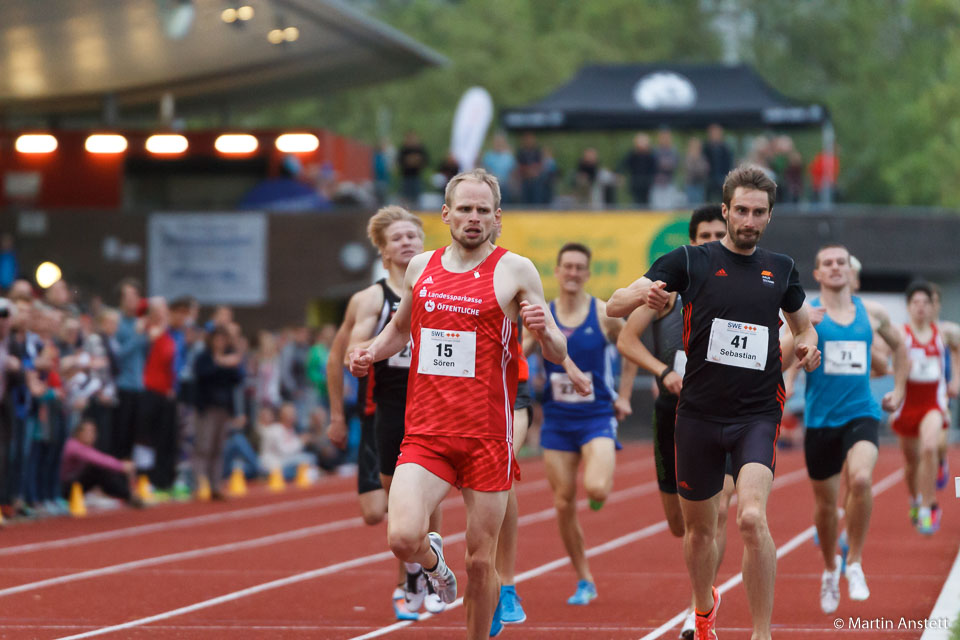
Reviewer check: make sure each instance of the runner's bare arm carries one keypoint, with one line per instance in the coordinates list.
(369, 303)
(880, 321)
(642, 291)
(581, 381)
(633, 349)
(622, 405)
(611, 326)
(805, 338)
(337, 429)
(536, 318)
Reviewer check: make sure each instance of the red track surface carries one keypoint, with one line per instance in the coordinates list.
(642, 581)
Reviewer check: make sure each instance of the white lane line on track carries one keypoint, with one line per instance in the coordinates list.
(243, 513)
(539, 516)
(790, 478)
(295, 534)
(305, 532)
(790, 545)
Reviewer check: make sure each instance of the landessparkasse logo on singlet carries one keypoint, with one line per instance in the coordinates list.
(429, 305)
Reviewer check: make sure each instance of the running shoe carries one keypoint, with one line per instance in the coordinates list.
(596, 505)
(432, 602)
(914, 515)
(929, 520)
(415, 589)
(400, 607)
(444, 582)
(706, 624)
(830, 588)
(943, 474)
(586, 591)
(856, 582)
(496, 625)
(689, 627)
(511, 611)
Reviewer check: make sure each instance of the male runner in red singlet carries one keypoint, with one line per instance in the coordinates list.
(459, 306)
(398, 236)
(924, 411)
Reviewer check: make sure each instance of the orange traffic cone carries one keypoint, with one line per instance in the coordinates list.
(144, 490)
(303, 475)
(78, 507)
(203, 489)
(238, 484)
(276, 482)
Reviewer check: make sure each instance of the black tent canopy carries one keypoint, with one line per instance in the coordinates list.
(648, 96)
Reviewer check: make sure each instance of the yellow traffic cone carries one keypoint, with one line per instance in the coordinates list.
(78, 507)
(144, 490)
(203, 489)
(276, 482)
(238, 484)
(303, 475)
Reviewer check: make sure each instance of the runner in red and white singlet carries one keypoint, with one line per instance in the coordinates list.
(926, 385)
(923, 416)
(459, 305)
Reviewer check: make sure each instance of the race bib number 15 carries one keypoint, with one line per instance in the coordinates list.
(447, 353)
(738, 344)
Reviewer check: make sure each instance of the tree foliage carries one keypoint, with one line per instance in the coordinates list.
(888, 70)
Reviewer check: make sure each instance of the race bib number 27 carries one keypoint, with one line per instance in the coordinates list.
(447, 353)
(738, 344)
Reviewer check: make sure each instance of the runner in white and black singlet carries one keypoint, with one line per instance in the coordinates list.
(732, 399)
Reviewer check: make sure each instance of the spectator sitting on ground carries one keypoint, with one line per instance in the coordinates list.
(281, 447)
(94, 469)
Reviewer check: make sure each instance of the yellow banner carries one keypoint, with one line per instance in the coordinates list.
(624, 245)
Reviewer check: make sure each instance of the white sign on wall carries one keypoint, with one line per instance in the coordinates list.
(218, 258)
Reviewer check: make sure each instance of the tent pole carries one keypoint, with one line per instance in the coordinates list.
(829, 151)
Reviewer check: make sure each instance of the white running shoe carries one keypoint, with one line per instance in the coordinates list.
(856, 582)
(400, 607)
(414, 590)
(689, 627)
(432, 602)
(444, 582)
(830, 588)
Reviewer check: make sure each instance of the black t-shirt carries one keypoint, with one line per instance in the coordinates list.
(412, 159)
(717, 283)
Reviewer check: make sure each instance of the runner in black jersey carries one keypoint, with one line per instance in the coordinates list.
(732, 398)
(668, 362)
(398, 235)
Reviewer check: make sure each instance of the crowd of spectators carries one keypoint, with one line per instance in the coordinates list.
(149, 392)
(653, 173)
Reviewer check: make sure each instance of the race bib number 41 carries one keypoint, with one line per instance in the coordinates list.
(447, 353)
(845, 357)
(738, 344)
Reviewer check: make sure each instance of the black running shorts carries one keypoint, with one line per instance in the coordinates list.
(825, 448)
(702, 446)
(389, 428)
(664, 449)
(368, 465)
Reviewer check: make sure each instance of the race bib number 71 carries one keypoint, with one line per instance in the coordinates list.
(447, 353)
(738, 344)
